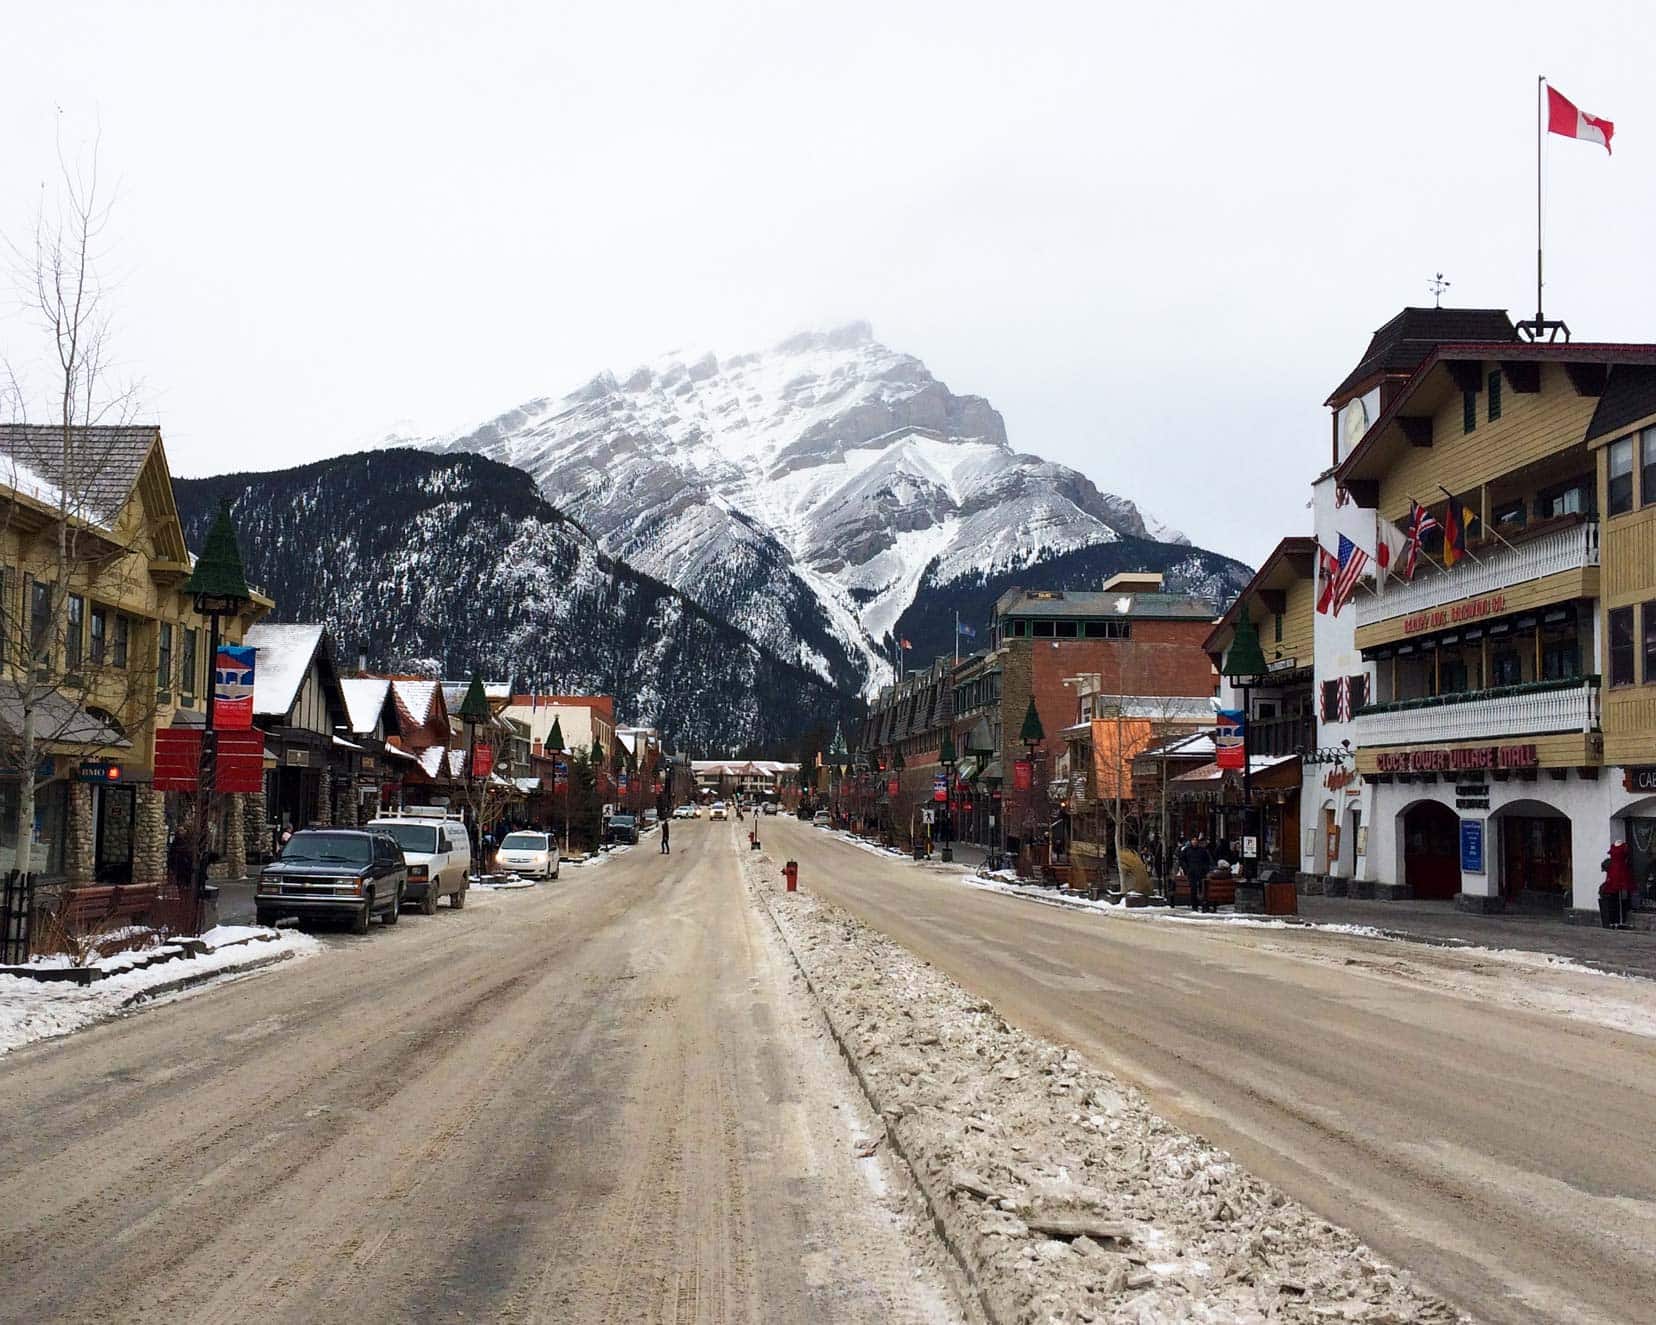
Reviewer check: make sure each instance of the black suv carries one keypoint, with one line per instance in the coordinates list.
(334, 871)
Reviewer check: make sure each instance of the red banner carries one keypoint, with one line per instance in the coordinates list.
(482, 761)
(1023, 775)
(240, 762)
(177, 758)
(893, 788)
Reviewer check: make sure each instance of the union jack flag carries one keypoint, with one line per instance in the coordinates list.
(1421, 523)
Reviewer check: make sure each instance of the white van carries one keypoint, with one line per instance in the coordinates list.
(437, 848)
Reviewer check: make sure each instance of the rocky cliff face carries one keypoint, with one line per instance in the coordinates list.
(818, 493)
(405, 554)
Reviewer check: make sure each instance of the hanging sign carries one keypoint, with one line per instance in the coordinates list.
(940, 787)
(240, 762)
(560, 775)
(233, 687)
(1229, 749)
(621, 781)
(1023, 775)
(482, 761)
(892, 789)
(177, 758)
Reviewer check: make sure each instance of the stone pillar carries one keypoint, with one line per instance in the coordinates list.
(255, 832)
(80, 861)
(235, 836)
(149, 837)
(324, 801)
(345, 805)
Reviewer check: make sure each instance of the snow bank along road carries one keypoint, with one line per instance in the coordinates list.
(603, 1100)
(1500, 1153)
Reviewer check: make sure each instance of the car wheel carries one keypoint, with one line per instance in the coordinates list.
(265, 917)
(457, 899)
(393, 913)
(428, 907)
(359, 924)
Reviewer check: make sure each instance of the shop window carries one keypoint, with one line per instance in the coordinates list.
(1469, 410)
(1043, 630)
(1648, 615)
(100, 635)
(74, 632)
(1647, 467)
(187, 663)
(1621, 646)
(1065, 629)
(1495, 395)
(164, 659)
(123, 638)
(1621, 476)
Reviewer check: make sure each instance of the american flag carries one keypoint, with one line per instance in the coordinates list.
(1351, 560)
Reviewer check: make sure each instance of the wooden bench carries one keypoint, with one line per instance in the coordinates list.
(85, 908)
(1221, 891)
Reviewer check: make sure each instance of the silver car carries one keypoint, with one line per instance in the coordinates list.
(533, 855)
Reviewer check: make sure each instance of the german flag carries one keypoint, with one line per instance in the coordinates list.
(1459, 522)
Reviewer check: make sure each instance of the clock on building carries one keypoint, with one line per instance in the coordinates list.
(1354, 424)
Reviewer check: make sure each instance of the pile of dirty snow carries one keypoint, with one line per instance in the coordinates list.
(1064, 1197)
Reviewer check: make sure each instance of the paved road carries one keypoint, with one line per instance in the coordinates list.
(601, 1100)
(1505, 1155)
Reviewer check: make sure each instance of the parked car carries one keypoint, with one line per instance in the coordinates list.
(770, 807)
(351, 872)
(651, 818)
(533, 855)
(717, 811)
(437, 847)
(623, 828)
(821, 819)
(684, 812)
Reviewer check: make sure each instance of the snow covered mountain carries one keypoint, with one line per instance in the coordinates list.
(816, 494)
(408, 555)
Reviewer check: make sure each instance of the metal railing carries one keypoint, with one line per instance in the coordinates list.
(1499, 568)
(1293, 734)
(1535, 709)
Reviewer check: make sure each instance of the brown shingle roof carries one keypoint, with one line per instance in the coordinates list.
(103, 463)
(1402, 345)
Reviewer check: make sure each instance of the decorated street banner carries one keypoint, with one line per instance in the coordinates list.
(621, 782)
(1023, 775)
(1229, 751)
(233, 687)
(940, 787)
(482, 761)
(892, 788)
(560, 775)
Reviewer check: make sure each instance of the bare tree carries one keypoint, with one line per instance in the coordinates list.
(67, 479)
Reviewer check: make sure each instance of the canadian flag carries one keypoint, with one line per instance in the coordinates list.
(1563, 118)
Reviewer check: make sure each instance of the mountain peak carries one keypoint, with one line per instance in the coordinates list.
(846, 337)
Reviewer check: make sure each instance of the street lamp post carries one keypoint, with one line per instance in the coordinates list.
(218, 584)
(474, 709)
(1244, 667)
(946, 757)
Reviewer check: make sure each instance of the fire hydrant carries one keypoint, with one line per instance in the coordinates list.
(790, 872)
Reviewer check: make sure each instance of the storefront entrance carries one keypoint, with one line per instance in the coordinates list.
(1535, 857)
(115, 811)
(1431, 850)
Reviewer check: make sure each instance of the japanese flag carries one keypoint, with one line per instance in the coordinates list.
(1563, 118)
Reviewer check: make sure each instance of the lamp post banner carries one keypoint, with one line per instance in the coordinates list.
(233, 687)
(1230, 750)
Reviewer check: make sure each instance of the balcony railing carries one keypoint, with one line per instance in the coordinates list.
(1534, 709)
(1282, 736)
(1499, 568)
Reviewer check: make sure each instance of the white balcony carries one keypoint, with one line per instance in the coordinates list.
(1530, 710)
(1573, 548)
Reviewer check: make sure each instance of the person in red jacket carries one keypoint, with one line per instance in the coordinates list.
(1616, 892)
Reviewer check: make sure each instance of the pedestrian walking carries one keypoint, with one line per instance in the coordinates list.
(666, 849)
(1198, 864)
(1616, 892)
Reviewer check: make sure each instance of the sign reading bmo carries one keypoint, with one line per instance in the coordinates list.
(1456, 760)
(1472, 609)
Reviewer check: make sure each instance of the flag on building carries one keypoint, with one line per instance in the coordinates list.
(1565, 119)
(1327, 568)
(1421, 523)
(1392, 552)
(1458, 522)
(1349, 570)
(905, 644)
(968, 631)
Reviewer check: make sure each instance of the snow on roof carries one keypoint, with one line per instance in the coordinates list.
(431, 759)
(416, 698)
(343, 744)
(284, 655)
(1212, 772)
(364, 700)
(401, 753)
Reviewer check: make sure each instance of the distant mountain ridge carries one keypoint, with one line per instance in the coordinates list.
(406, 554)
(821, 494)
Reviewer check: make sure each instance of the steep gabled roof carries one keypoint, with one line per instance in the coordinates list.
(365, 698)
(285, 653)
(1401, 346)
(1292, 558)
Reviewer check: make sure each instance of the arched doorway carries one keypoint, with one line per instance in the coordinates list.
(1536, 861)
(1635, 824)
(1431, 850)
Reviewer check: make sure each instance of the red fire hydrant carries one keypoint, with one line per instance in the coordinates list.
(790, 872)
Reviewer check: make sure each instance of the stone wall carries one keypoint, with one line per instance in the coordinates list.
(255, 831)
(235, 837)
(79, 859)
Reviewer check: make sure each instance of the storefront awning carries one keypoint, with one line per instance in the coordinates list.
(969, 769)
(992, 773)
(56, 721)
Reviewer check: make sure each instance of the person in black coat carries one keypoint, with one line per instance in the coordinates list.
(1197, 861)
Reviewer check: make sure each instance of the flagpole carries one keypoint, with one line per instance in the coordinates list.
(957, 638)
(1540, 99)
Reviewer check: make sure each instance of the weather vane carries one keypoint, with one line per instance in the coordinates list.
(1437, 285)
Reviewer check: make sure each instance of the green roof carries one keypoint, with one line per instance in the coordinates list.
(1032, 731)
(475, 707)
(218, 570)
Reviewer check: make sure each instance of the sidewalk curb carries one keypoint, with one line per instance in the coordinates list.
(200, 978)
(931, 1197)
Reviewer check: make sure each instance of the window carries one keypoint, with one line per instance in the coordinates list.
(123, 636)
(1330, 711)
(187, 663)
(1648, 611)
(1469, 410)
(40, 622)
(1065, 629)
(1508, 515)
(1495, 395)
(1647, 467)
(1359, 692)
(1043, 630)
(1561, 660)
(164, 658)
(1621, 646)
(74, 632)
(1506, 668)
(100, 635)
(1621, 476)
(1276, 628)
(1575, 499)
(1453, 678)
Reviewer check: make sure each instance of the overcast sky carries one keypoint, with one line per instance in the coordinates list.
(1153, 236)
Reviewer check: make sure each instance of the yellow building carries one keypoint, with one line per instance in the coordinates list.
(101, 647)
(1511, 731)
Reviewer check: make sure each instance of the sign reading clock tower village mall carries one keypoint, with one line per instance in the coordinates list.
(1470, 609)
(1456, 759)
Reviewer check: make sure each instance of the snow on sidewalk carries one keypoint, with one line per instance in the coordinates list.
(1064, 1196)
(38, 1009)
